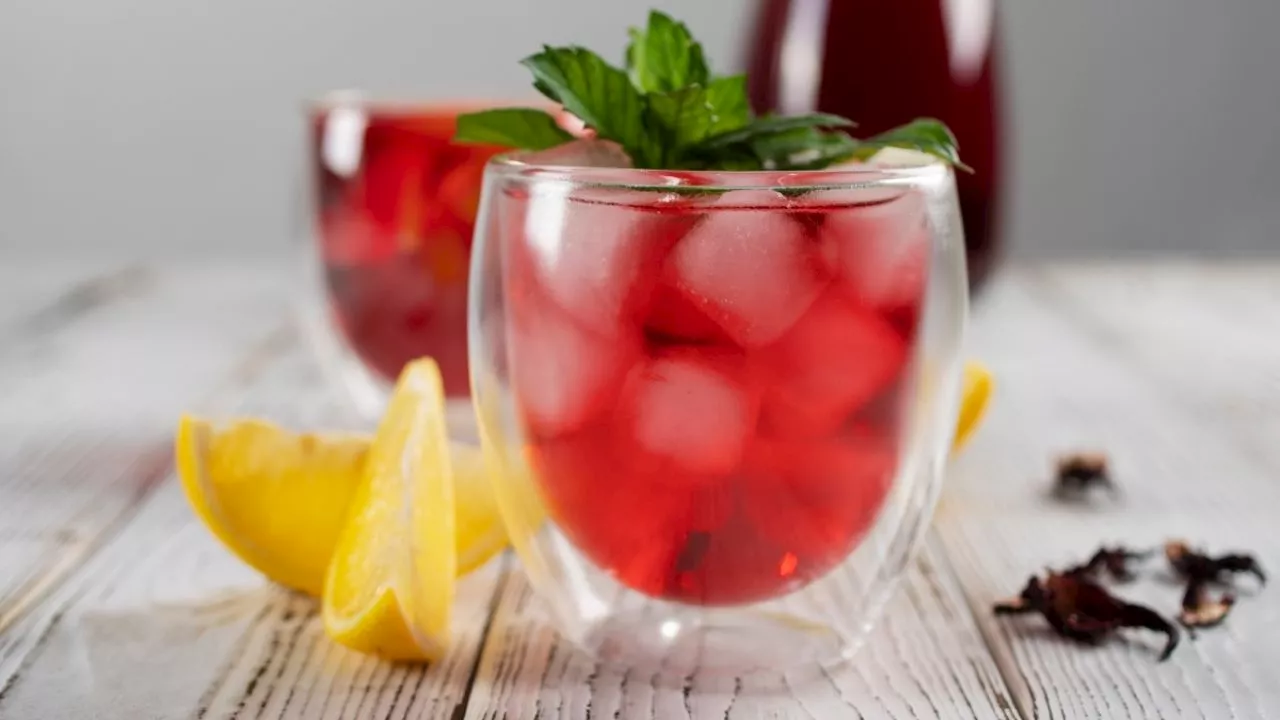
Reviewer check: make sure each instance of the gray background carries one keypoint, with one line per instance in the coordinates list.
(172, 127)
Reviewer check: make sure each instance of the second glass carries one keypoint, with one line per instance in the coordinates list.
(391, 206)
(720, 402)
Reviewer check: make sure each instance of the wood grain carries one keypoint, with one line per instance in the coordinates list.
(92, 387)
(164, 622)
(925, 660)
(30, 291)
(127, 608)
(1080, 366)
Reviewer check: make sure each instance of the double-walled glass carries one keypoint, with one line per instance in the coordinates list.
(720, 403)
(388, 210)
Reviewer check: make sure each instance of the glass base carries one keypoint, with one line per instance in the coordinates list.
(739, 642)
(817, 628)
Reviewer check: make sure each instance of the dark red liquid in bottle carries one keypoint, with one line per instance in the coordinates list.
(882, 63)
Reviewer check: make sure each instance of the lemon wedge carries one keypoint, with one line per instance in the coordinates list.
(390, 584)
(974, 396)
(275, 498)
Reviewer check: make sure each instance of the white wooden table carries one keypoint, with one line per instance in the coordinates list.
(116, 603)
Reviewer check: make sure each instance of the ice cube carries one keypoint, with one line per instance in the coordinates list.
(598, 254)
(673, 318)
(749, 265)
(563, 374)
(881, 250)
(837, 357)
(581, 153)
(693, 407)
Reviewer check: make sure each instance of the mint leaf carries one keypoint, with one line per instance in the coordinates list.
(685, 117)
(773, 124)
(599, 94)
(925, 135)
(804, 148)
(546, 90)
(524, 128)
(664, 57)
(692, 114)
(730, 107)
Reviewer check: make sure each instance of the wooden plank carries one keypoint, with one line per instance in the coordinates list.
(1157, 320)
(1067, 381)
(165, 623)
(924, 660)
(92, 381)
(73, 293)
(32, 290)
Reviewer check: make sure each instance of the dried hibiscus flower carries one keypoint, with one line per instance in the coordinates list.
(1080, 609)
(1080, 472)
(1116, 562)
(1199, 608)
(1195, 565)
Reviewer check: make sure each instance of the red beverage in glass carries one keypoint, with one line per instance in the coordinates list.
(397, 206)
(882, 63)
(713, 384)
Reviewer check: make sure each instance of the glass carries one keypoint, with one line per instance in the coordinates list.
(800, 56)
(719, 403)
(390, 209)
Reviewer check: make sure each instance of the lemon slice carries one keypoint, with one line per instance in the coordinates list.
(390, 584)
(275, 498)
(975, 395)
(480, 530)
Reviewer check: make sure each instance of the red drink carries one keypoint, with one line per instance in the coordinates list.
(882, 63)
(713, 384)
(397, 205)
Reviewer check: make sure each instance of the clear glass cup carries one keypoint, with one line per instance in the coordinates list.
(386, 222)
(718, 403)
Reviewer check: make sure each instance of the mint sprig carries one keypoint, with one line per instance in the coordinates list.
(526, 128)
(923, 135)
(668, 110)
(664, 57)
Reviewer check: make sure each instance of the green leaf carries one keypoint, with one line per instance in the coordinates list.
(668, 110)
(804, 148)
(524, 128)
(730, 107)
(546, 90)
(599, 94)
(664, 57)
(925, 135)
(692, 114)
(685, 117)
(773, 124)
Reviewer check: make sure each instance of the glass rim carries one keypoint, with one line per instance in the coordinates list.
(510, 165)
